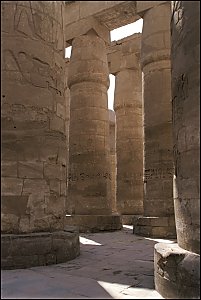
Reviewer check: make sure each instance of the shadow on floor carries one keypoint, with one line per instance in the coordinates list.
(111, 265)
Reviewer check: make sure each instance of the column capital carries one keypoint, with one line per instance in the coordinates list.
(156, 34)
(155, 57)
(83, 26)
(88, 62)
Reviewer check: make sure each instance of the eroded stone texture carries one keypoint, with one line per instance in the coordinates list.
(112, 14)
(89, 149)
(177, 267)
(95, 223)
(128, 108)
(33, 117)
(176, 272)
(159, 227)
(67, 120)
(186, 118)
(34, 144)
(123, 58)
(89, 174)
(39, 249)
(113, 163)
(158, 156)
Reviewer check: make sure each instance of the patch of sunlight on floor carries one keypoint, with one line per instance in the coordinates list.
(109, 288)
(160, 240)
(88, 241)
(128, 226)
(123, 291)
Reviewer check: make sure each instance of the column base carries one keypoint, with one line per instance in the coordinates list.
(21, 251)
(156, 227)
(128, 219)
(95, 223)
(176, 272)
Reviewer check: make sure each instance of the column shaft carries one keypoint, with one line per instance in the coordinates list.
(186, 118)
(68, 208)
(34, 144)
(89, 176)
(158, 217)
(89, 152)
(183, 259)
(113, 161)
(158, 160)
(33, 119)
(129, 142)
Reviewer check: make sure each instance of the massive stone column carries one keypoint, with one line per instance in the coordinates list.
(113, 161)
(129, 142)
(67, 123)
(89, 151)
(158, 219)
(34, 146)
(123, 59)
(177, 266)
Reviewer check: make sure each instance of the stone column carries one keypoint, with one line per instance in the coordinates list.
(184, 258)
(89, 151)
(113, 162)
(67, 123)
(34, 143)
(129, 140)
(158, 219)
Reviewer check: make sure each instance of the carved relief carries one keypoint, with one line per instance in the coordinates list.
(33, 21)
(158, 173)
(34, 70)
(84, 176)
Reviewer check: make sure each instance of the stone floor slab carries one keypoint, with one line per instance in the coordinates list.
(112, 265)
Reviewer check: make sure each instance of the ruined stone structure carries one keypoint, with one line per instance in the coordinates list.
(177, 266)
(89, 150)
(67, 122)
(158, 219)
(68, 160)
(123, 59)
(34, 140)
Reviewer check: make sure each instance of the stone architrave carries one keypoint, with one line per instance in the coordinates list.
(177, 266)
(158, 219)
(89, 184)
(34, 145)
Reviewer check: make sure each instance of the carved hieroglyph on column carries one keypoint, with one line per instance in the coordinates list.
(184, 258)
(158, 217)
(33, 126)
(129, 140)
(89, 184)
